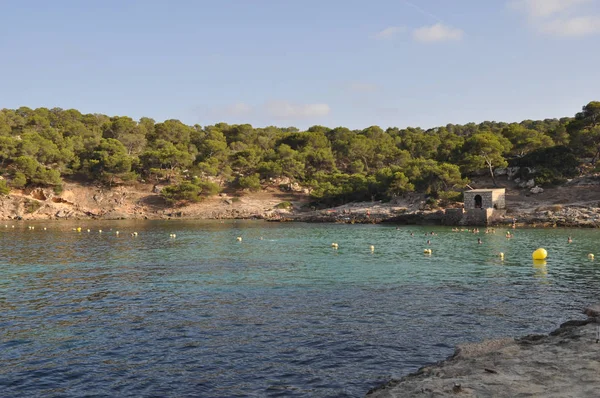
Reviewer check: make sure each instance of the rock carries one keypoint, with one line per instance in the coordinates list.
(592, 311)
(157, 189)
(61, 214)
(41, 194)
(536, 189)
(512, 171)
(501, 171)
(530, 183)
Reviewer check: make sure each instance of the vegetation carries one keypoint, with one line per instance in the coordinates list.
(40, 147)
(284, 205)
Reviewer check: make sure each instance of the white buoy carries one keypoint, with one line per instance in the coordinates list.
(117, 233)
(44, 228)
(372, 248)
(334, 245)
(591, 256)
(100, 231)
(239, 238)
(89, 230)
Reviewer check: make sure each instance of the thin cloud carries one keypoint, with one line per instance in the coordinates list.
(288, 110)
(389, 32)
(545, 8)
(437, 33)
(559, 18)
(572, 27)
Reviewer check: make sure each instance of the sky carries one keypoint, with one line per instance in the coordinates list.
(352, 63)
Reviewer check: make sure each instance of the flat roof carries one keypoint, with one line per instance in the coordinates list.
(485, 190)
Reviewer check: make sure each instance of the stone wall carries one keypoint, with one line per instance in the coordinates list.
(486, 199)
(453, 216)
(498, 198)
(476, 217)
(472, 217)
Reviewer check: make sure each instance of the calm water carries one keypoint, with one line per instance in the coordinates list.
(202, 315)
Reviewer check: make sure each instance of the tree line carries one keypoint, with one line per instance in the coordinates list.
(41, 147)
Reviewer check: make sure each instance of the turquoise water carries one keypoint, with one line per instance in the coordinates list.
(280, 313)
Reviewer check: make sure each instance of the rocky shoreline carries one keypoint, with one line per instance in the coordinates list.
(564, 363)
(575, 205)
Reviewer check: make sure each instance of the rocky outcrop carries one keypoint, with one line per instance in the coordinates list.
(564, 363)
(556, 216)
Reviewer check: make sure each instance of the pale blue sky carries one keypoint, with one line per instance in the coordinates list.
(352, 63)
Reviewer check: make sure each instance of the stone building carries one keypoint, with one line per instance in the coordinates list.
(485, 199)
(481, 207)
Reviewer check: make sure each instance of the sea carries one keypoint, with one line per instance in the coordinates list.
(259, 309)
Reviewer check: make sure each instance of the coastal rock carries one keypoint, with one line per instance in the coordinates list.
(564, 363)
(500, 171)
(592, 311)
(512, 171)
(527, 184)
(536, 190)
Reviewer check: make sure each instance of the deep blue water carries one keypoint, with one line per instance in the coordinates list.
(203, 315)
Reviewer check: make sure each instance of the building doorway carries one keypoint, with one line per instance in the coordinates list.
(478, 201)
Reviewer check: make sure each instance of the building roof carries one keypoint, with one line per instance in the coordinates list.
(485, 190)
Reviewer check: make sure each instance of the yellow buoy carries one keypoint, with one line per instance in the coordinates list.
(501, 256)
(591, 256)
(78, 229)
(427, 251)
(539, 254)
(334, 245)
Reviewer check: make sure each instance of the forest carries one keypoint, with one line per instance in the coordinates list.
(42, 147)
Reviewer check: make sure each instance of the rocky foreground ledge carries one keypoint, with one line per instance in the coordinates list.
(565, 363)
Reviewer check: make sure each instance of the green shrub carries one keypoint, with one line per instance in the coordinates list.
(4, 188)
(183, 191)
(251, 182)
(208, 188)
(545, 177)
(284, 205)
(31, 205)
(450, 196)
(431, 202)
(191, 191)
(19, 180)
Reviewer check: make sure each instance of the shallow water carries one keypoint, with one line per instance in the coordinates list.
(204, 315)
